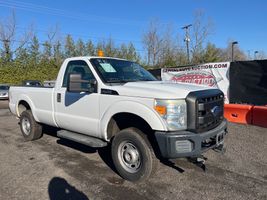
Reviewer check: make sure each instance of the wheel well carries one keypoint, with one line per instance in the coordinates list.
(126, 120)
(23, 105)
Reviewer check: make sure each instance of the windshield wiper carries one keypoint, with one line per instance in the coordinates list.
(147, 80)
(122, 81)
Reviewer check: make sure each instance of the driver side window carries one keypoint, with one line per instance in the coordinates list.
(78, 67)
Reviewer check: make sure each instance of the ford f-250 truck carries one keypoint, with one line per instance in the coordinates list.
(99, 101)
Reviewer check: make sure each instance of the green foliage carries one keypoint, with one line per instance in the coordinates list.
(212, 54)
(42, 62)
(80, 48)
(90, 48)
(69, 47)
(34, 50)
(47, 52)
(14, 73)
(128, 52)
(109, 48)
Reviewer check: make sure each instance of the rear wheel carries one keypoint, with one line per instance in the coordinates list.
(30, 129)
(132, 155)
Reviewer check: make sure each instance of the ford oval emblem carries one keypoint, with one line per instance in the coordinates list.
(215, 110)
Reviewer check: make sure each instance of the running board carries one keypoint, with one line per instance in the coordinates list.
(80, 138)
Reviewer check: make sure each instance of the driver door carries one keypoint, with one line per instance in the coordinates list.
(77, 111)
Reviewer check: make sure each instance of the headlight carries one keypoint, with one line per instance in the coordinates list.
(173, 112)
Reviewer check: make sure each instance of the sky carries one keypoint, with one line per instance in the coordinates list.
(124, 21)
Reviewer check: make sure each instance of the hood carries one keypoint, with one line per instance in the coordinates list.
(157, 89)
(3, 91)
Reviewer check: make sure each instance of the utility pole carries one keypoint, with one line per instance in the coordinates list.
(187, 40)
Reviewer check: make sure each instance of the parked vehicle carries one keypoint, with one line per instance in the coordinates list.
(35, 83)
(49, 83)
(4, 88)
(99, 101)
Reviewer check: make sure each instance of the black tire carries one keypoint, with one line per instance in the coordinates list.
(132, 155)
(30, 129)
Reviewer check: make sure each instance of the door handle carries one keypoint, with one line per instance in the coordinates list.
(58, 97)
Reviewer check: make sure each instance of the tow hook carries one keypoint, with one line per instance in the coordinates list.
(199, 161)
(220, 149)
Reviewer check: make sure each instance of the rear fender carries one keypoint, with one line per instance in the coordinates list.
(30, 103)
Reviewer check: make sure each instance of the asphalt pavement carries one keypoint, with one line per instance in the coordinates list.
(53, 168)
(3, 104)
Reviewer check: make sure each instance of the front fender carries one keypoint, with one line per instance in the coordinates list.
(150, 116)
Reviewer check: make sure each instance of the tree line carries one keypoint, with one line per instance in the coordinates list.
(24, 56)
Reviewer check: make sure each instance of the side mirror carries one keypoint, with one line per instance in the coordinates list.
(76, 84)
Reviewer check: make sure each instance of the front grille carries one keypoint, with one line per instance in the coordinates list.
(209, 112)
(205, 109)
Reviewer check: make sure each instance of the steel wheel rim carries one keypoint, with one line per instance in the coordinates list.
(26, 126)
(129, 157)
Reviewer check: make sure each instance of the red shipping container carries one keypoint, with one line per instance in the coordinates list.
(259, 114)
(238, 113)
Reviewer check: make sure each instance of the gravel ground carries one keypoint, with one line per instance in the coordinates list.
(53, 168)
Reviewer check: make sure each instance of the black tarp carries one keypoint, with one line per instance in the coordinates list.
(156, 73)
(248, 82)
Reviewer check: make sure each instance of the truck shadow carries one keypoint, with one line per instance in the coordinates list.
(104, 152)
(171, 164)
(52, 131)
(59, 188)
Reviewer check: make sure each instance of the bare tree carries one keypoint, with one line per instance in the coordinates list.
(51, 42)
(170, 48)
(260, 55)
(8, 37)
(164, 49)
(152, 43)
(202, 28)
(226, 54)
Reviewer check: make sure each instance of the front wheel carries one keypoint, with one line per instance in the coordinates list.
(132, 155)
(31, 130)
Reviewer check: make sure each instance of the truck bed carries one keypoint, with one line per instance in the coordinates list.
(39, 98)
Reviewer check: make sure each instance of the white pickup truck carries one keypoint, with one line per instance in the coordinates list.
(99, 101)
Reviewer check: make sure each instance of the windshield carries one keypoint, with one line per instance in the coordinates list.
(120, 71)
(4, 87)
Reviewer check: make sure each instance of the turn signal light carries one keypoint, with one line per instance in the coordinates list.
(162, 110)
